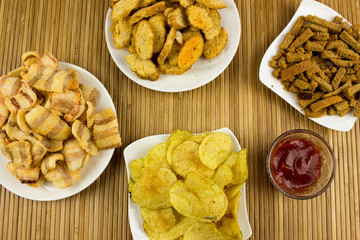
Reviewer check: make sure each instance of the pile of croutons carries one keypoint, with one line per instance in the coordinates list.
(167, 36)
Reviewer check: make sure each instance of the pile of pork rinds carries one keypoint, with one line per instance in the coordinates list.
(167, 36)
(49, 127)
(319, 61)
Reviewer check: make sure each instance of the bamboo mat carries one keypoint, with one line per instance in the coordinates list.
(74, 32)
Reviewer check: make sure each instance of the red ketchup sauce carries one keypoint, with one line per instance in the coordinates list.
(296, 164)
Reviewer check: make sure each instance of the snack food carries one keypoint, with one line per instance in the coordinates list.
(208, 199)
(49, 127)
(319, 61)
(167, 36)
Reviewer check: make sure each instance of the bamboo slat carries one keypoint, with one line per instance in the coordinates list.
(74, 32)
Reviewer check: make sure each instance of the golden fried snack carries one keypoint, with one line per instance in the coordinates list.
(317, 106)
(89, 93)
(144, 40)
(45, 122)
(136, 169)
(200, 230)
(61, 176)
(75, 157)
(147, 12)
(9, 86)
(214, 47)
(4, 112)
(29, 58)
(145, 69)
(191, 51)
(83, 135)
(24, 174)
(167, 46)
(25, 99)
(199, 17)
(177, 19)
(106, 133)
(20, 153)
(157, 24)
(90, 114)
(296, 69)
(157, 156)
(211, 32)
(217, 4)
(122, 9)
(122, 33)
(159, 220)
(49, 162)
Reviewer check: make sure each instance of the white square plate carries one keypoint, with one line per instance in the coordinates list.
(265, 74)
(201, 73)
(89, 173)
(139, 149)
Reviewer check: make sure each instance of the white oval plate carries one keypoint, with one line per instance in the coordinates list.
(139, 149)
(89, 173)
(201, 73)
(265, 73)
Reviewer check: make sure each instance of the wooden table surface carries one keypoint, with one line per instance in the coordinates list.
(74, 32)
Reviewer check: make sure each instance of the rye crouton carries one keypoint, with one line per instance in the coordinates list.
(211, 32)
(123, 8)
(167, 46)
(199, 17)
(158, 27)
(147, 12)
(144, 40)
(191, 51)
(217, 4)
(177, 19)
(122, 33)
(144, 69)
(213, 47)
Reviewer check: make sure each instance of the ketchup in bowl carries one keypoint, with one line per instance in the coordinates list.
(300, 164)
(296, 164)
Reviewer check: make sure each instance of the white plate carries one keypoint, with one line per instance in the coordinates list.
(139, 149)
(201, 73)
(89, 173)
(306, 7)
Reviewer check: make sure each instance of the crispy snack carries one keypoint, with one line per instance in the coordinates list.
(198, 197)
(325, 103)
(146, 12)
(144, 40)
(24, 174)
(177, 19)
(191, 51)
(61, 176)
(167, 46)
(20, 153)
(106, 130)
(83, 135)
(49, 162)
(214, 47)
(122, 9)
(145, 69)
(195, 195)
(152, 190)
(217, 4)
(159, 220)
(215, 149)
(122, 33)
(199, 17)
(157, 24)
(74, 155)
(296, 69)
(211, 32)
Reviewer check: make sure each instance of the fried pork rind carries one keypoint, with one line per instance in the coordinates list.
(49, 162)
(20, 153)
(215, 149)
(75, 157)
(38, 151)
(106, 132)
(89, 93)
(185, 159)
(55, 80)
(61, 176)
(198, 197)
(25, 99)
(28, 58)
(4, 112)
(214, 47)
(90, 114)
(9, 86)
(159, 220)
(152, 190)
(157, 156)
(45, 122)
(24, 174)
(203, 231)
(191, 51)
(83, 135)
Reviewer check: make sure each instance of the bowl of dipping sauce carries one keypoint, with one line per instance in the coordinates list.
(300, 164)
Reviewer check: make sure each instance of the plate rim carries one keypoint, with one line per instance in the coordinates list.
(109, 152)
(134, 144)
(198, 83)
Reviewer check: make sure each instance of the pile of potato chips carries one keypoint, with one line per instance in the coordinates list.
(49, 127)
(167, 36)
(189, 187)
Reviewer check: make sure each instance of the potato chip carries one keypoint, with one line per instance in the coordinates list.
(152, 191)
(185, 159)
(215, 149)
(174, 233)
(159, 220)
(172, 145)
(203, 231)
(232, 189)
(136, 169)
(228, 225)
(180, 135)
(157, 156)
(240, 170)
(222, 176)
(198, 197)
(198, 138)
(231, 160)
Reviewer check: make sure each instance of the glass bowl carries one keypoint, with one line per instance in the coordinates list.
(327, 169)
